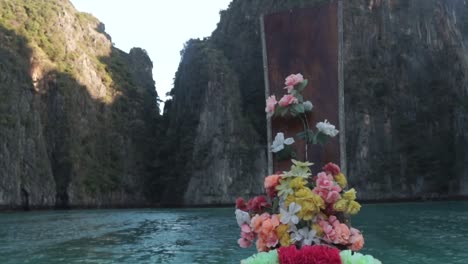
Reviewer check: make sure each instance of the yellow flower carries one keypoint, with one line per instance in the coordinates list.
(341, 205)
(350, 195)
(341, 180)
(353, 207)
(310, 203)
(283, 235)
(290, 199)
(297, 183)
(303, 192)
(317, 229)
(285, 240)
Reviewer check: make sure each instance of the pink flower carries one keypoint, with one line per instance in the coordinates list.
(257, 221)
(324, 181)
(270, 104)
(261, 245)
(332, 168)
(334, 231)
(247, 236)
(244, 243)
(257, 203)
(332, 197)
(245, 228)
(321, 192)
(333, 220)
(292, 80)
(326, 188)
(328, 231)
(271, 240)
(287, 99)
(270, 184)
(356, 239)
(342, 233)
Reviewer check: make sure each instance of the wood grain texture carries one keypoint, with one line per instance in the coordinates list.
(305, 41)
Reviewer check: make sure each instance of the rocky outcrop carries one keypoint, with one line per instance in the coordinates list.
(26, 178)
(215, 147)
(77, 116)
(405, 98)
(79, 123)
(406, 82)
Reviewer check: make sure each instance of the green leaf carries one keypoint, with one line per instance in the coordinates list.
(301, 134)
(298, 108)
(278, 110)
(297, 171)
(300, 98)
(313, 140)
(283, 188)
(304, 164)
(286, 153)
(321, 138)
(300, 87)
(309, 133)
(298, 95)
(284, 111)
(275, 207)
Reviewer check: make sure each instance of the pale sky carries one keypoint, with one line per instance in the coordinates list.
(161, 27)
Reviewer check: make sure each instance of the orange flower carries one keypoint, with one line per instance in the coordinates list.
(264, 225)
(356, 240)
(270, 184)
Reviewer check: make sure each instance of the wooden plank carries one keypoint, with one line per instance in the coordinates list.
(306, 41)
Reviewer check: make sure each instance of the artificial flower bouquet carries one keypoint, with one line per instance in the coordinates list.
(303, 218)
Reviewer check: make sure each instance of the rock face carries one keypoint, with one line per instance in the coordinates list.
(77, 116)
(405, 98)
(217, 153)
(79, 122)
(406, 94)
(25, 177)
(216, 120)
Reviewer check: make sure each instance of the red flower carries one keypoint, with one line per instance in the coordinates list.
(332, 168)
(288, 255)
(320, 255)
(257, 203)
(309, 255)
(240, 204)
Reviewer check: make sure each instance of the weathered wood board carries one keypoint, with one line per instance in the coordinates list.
(306, 41)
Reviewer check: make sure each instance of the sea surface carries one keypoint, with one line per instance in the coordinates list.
(433, 232)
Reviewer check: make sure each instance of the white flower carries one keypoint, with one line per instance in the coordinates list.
(279, 142)
(242, 217)
(308, 106)
(305, 236)
(327, 128)
(289, 216)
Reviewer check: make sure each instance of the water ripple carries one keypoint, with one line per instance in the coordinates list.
(395, 233)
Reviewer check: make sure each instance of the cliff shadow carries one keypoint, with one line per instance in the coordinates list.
(138, 106)
(97, 153)
(14, 70)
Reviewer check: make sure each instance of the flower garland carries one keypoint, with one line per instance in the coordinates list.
(303, 218)
(310, 255)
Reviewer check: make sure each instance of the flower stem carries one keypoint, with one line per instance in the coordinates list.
(306, 129)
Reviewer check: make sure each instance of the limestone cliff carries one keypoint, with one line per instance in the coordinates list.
(216, 120)
(77, 115)
(405, 96)
(215, 153)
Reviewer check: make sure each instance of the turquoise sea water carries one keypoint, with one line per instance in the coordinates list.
(435, 232)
